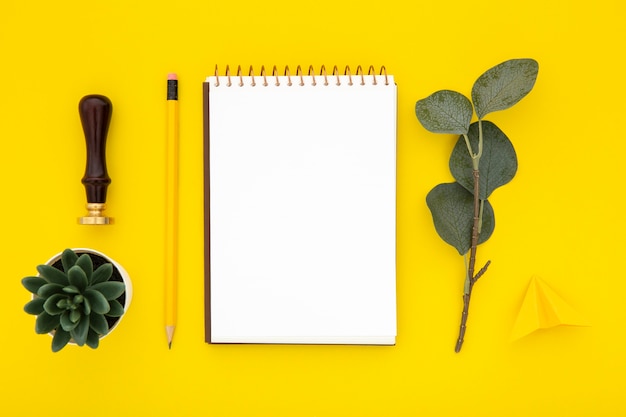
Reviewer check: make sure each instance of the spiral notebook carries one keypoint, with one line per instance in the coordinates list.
(300, 207)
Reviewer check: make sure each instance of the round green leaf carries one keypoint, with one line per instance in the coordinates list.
(60, 339)
(35, 306)
(110, 289)
(78, 278)
(504, 85)
(102, 274)
(52, 275)
(444, 112)
(45, 323)
(99, 303)
(498, 163)
(452, 208)
(33, 284)
(99, 324)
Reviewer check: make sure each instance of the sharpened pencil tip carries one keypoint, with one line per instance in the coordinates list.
(169, 330)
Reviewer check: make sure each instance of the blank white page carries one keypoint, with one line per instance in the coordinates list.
(302, 210)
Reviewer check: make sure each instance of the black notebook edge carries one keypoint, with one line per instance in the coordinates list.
(207, 222)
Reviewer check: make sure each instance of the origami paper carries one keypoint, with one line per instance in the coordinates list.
(543, 308)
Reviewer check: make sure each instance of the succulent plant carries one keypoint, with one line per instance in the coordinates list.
(76, 303)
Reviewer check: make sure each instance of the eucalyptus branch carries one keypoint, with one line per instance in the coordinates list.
(461, 211)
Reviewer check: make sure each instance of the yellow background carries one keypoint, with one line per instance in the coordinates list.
(562, 217)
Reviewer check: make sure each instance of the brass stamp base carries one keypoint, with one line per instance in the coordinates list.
(95, 216)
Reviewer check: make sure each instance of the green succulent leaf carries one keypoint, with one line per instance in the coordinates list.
(102, 274)
(85, 262)
(47, 290)
(504, 85)
(99, 303)
(79, 333)
(110, 289)
(35, 306)
(93, 339)
(498, 163)
(99, 324)
(78, 278)
(445, 111)
(66, 322)
(71, 289)
(75, 316)
(60, 339)
(86, 306)
(452, 208)
(52, 275)
(45, 323)
(33, 284)
(117, 309)
(51, 305)
(68, 259)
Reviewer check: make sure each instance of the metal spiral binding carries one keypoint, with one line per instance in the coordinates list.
(300, 74)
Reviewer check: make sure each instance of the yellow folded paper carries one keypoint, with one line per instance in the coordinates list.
(543, 308)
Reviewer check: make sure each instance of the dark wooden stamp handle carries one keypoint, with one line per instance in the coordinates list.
(95, 115)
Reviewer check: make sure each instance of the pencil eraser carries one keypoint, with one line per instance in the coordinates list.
(172, 76)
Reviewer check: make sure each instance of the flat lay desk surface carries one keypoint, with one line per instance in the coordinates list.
(561, 218)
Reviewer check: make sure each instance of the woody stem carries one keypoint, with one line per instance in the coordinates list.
(470, 278)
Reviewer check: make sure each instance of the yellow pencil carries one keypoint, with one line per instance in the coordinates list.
(171, 209)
